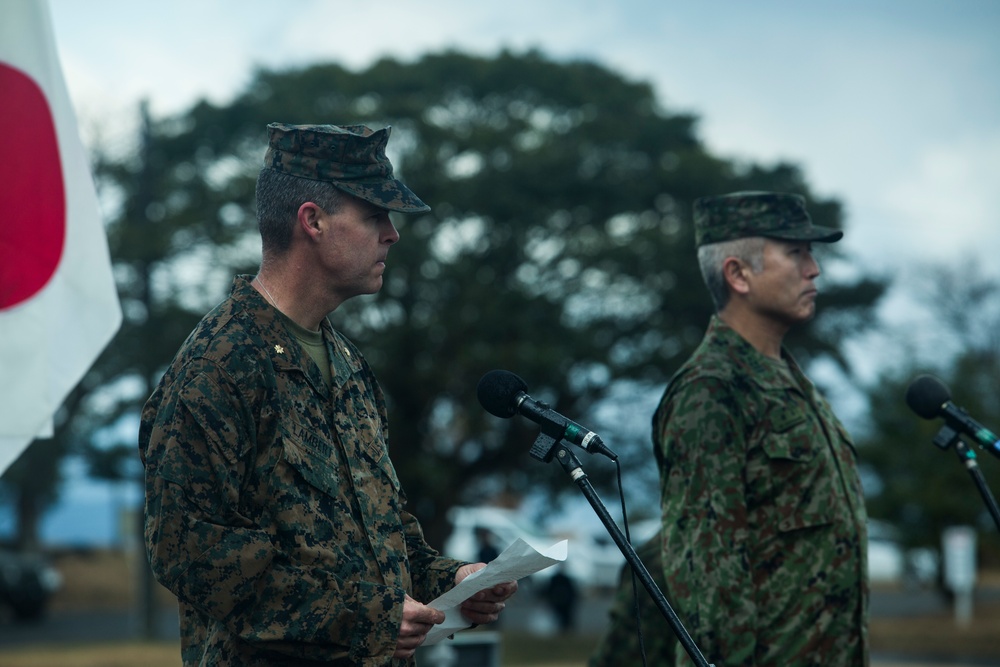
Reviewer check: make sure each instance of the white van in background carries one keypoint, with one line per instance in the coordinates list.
(588, 563)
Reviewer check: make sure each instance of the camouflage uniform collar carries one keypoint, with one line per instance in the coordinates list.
(764, 371)
(280, 344)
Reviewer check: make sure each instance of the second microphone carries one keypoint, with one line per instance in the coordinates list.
(503, 394)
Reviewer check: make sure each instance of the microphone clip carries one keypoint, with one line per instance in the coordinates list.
(544, 447)
(946, 436)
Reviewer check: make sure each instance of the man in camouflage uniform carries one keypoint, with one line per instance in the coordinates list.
(272, 509)
(764, 538)
(619, 646)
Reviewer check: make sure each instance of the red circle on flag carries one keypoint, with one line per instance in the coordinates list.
(32, 194)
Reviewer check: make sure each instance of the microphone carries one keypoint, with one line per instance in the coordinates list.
(503, 394)
(929, 398)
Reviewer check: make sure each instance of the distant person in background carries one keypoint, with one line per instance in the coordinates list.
(562, 595)
(487, 545)
(764, 536)
(273, 511)
(619, 645)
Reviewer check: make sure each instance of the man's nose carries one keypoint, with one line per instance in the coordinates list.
(812, 269)
(389, 232)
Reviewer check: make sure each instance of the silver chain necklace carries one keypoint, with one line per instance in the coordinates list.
(267, 292)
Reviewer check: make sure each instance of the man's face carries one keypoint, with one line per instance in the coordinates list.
(784, 291)
(355, 249)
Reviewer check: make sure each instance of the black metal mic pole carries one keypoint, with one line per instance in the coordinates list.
(968, 457)
(948, 436)
(544, 449)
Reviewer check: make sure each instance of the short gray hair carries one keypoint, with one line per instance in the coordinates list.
(712, 256)
(279, 197)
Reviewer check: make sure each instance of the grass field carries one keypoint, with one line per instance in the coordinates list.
(106, 580)
(526, 651)
(137, 654)
(516, 651)
(922, 637)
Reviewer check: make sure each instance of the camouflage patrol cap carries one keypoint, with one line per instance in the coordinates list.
(774, 215)
(351, 157)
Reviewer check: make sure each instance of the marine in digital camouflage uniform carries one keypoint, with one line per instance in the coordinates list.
(619, 645)
(272, 510)
(764, 524)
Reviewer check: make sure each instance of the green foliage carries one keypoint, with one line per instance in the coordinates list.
(920, 488)
(559, 247)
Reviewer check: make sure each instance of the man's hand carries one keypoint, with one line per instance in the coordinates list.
(418, 619)
(486, 605)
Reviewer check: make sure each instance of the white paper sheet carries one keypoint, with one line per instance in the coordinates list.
(516, 562)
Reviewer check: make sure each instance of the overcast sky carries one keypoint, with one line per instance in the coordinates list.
(892, 106)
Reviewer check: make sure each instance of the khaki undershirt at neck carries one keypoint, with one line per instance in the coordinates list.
(312, 342)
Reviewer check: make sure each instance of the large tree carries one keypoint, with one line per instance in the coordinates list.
(559, 247)
(918, 487)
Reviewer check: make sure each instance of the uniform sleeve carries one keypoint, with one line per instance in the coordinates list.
(198, 451)
(702, 447)
(432, 575)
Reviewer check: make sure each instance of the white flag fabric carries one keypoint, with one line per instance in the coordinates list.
(58, 303)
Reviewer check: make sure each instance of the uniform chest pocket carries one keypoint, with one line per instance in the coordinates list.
(789, 435)
(791, 484)
(359, 430)
(310, 456)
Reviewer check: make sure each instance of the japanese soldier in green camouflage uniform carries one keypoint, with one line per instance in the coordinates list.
(764, 538)
(272, 511)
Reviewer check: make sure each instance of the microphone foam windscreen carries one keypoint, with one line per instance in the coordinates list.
(925, 396)
(497, 392)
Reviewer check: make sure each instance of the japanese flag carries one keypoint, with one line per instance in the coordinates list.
(58, 302)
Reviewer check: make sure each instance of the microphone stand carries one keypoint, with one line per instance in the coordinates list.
(544, 448)
(947, 437)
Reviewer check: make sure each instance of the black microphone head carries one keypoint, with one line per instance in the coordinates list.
(925, 396)
(498, 391)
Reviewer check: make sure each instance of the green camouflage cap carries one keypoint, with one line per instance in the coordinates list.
(773, 215)
(351, 157)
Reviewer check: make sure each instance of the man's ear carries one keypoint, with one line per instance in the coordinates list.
(310, 219)
(735, 273)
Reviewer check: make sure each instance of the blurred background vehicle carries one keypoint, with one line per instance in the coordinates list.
(27, 584)
(886, 562)
(483, 531)
(480, 533)
(890, 563)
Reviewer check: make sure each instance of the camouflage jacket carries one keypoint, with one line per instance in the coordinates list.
(272, 511)
(764, 524)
